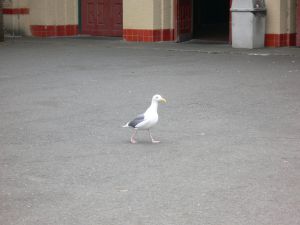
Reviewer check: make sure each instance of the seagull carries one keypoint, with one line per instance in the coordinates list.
(146, 120)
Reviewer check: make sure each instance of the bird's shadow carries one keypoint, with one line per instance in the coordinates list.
(144, 142)
(141, 142)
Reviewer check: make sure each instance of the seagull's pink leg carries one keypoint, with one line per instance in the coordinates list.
(152, 139)
(132, 139)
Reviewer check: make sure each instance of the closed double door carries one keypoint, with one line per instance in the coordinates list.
(102, 17)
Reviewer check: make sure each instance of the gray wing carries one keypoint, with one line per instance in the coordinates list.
(136, 121)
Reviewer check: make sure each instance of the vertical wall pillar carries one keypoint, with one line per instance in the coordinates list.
(148, 21)
(1, 23)
(298, 24)
(281, 23)
(16, 17)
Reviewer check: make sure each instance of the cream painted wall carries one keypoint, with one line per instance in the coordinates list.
(20, 3)
(273, 16)
(148, 14)
(54, 12)
(291, 16)
(15, 3)
(36, 15)
(7, 3)
(138, 14)
(163, 14)
(42, 12)
(281, 16)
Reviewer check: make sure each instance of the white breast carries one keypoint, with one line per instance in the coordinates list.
(149, 121)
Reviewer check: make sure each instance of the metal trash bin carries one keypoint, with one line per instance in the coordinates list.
(248, 23)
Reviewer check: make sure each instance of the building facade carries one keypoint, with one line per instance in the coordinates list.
(146, 20)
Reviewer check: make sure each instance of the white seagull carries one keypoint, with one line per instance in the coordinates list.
(146, 120)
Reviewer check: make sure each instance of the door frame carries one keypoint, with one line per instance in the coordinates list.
(79, 17)
(176, 20)
(298, 24)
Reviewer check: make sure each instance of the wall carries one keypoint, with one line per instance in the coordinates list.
(53, 18)
(148, 21)
(280, 23)
(143, 20)
(16, 17)
(41, 18)
(163, 14)
(138, 14)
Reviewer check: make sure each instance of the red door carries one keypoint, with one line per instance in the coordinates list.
(184, 20)
(102, 17)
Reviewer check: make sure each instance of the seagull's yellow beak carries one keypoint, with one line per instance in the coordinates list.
(163, 100)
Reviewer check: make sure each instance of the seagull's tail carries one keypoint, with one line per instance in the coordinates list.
(126, 125)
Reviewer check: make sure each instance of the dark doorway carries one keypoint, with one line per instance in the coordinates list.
(211, 20)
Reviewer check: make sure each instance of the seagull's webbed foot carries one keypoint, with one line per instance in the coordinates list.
(155, 141)
(133, 141)
(152, 139)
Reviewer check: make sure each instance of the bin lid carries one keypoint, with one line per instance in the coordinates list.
(248, 5)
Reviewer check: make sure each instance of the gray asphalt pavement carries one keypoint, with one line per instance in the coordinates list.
(230, 134)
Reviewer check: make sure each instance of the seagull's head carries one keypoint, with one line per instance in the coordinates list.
(158, 98)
